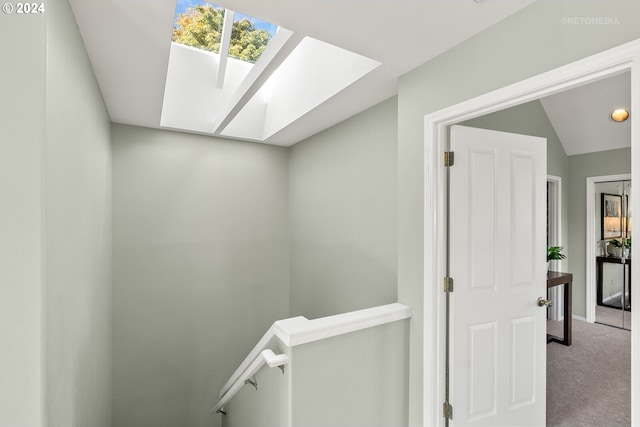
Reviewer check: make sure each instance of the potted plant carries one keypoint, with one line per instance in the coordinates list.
(616, 247)
(554, 253)
(620, 247)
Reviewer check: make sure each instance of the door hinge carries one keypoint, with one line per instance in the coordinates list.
(448, 158)
(447, 410)
(448, 284)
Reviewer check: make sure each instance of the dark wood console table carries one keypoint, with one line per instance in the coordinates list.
(556, 278)
(613, 260)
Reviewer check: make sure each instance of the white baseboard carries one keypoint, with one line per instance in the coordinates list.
(576, 317)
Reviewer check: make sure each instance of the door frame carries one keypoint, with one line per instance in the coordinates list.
(614, 61)
(591, 240)
(555, 230)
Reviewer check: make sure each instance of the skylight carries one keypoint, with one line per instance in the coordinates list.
(236, 76)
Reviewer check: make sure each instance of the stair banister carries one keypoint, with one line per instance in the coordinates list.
(300, 330)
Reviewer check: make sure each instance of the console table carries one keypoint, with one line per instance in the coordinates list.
(613, 260)
(556, 278)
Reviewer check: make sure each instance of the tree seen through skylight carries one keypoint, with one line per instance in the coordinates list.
(201, 27)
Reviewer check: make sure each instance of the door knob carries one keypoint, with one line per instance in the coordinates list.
(544, 302)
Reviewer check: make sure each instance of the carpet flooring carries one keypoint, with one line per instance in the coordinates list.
(589, 382)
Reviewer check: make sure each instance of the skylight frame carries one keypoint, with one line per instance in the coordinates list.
(227, 27)
(296, 86)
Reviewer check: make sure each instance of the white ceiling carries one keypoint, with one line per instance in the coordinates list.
(581, 116)
(129, 44)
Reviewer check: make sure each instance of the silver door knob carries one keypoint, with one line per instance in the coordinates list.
(544, 302)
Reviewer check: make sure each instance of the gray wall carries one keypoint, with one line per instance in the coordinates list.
(531, 119)
(55, 248)
(610, 162)
(200, 268)
(343, 215)
(202, 265)
(77, 233)
(356, 380)
(529, 42)
(22, 135)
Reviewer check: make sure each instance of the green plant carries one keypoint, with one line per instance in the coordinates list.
(615, 242)
(621, 243)
(555, 253)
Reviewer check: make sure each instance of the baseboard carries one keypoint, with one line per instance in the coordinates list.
(576, 317)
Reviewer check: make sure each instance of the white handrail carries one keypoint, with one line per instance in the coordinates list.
(266, 356)
(300, 330)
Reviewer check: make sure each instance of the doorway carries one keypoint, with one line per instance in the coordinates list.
(436, 124)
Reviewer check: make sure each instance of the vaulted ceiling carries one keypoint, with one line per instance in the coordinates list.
(581, 116)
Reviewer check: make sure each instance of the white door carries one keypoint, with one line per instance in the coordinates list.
(498, 264)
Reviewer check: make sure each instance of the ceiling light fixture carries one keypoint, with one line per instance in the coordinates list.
(619, 115)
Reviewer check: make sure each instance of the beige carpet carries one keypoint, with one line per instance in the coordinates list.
(589, 382)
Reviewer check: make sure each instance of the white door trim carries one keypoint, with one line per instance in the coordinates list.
(556, 225)
(591, 239)
(613, 61)
(555, 234)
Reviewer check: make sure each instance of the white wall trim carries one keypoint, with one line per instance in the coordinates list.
(590, 247)
(605, 64)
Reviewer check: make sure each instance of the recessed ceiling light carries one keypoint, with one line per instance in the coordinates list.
(619, 115)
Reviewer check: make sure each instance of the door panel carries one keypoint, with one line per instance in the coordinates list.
(523, 219)
(523, 341)
(482, 226)
(498, 263)
(482, 372)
